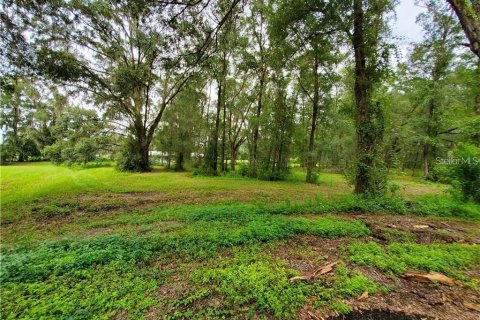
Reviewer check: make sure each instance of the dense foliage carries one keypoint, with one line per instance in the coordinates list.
(268, 84)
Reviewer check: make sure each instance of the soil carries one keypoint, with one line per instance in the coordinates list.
(425, 229)
(408, 299)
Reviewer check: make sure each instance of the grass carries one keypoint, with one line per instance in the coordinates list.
(29, 184)
(46, 280)
(94, 293)
(97, 244)
(25, 185)
(197, 239)
(50, 223)
(253, 283)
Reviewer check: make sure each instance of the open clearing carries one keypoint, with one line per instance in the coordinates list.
(97, 244)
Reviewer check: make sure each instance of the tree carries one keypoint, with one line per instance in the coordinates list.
(178, 131)
(131, 57)
(80, 137)
(239, 108)
(468, 12)
(17, 119)
(277, 140)
(370, 61)
(259, 51)
(431, 64)
(309, 37)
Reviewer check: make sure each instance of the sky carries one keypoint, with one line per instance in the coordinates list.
(405, 26)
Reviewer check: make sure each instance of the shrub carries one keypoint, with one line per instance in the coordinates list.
(269, 174)
(128, 159)
(243, 169)
(466, 173)
(85, 150)
(68, 155)
(19, 149)
(315, 177)
(54, 153)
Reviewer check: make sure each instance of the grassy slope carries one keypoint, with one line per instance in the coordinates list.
(209, 260)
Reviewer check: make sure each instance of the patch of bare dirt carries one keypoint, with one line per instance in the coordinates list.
(419, 299)
(85, 204)
(305, 253)
(407, 299)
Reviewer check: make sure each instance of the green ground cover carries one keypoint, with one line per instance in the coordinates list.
(78, 244)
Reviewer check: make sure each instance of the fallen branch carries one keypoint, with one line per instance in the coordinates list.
(421, 226)
(429, 277)
(471, 306)
(363, 296)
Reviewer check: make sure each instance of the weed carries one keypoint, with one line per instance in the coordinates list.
(252, 283)
(394, 235)
(450, 259)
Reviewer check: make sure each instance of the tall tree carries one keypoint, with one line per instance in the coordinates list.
(310, 32)
(257, 26)
(368, 26)
(432, 61)
(18, 100)
(176, 135)
(131, 57)
(468, 12)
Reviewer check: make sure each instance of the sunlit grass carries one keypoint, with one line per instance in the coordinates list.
(23, 183)
(98, 243)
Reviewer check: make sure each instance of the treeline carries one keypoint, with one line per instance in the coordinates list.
(271, 83)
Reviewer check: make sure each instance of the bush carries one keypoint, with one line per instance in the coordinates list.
(68, 155)
(85, 150)
(243, 169)
(315, 177)
(8, 152)
(19, 149)
(269, 174)
(440, 173)
(128, 159)
(54, 153)
(465, 171)
(82, 152)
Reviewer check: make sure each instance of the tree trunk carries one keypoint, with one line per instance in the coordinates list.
(144, 164)
(142, 157)
(367, 133)
(233, 161)
(468, 12)
(179, 161)
(430, 134)
(253, 156)
(141, 148)
(220, 102)
(426, 163)
(21, 156)
(311, 142)
(216, 130)
(224, 165)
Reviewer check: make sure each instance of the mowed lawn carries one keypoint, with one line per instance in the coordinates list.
(100, 244)
(25, 183)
